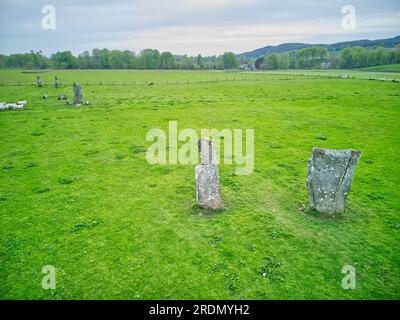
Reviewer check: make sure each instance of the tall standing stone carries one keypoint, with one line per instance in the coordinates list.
(39, 81)
(207, 178)
(77, 94)
(329, 178)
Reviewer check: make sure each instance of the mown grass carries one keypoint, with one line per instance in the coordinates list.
(76, 191)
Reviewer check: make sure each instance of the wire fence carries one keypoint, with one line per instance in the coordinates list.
(275, 76)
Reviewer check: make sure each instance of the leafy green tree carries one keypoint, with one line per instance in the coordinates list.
(2, 60)
(96, 59)
(64, 60)
(150, 59)
(85, 60)
(284, 61)
(359, 57)
(230, 61)
(167, 61)
(258, 63)
(394, 55)
(200, 61)
(186, 62)
(375, 57)
(105, 58)
(271, 62)
(345, 58)
(129, 60)
(115, 59)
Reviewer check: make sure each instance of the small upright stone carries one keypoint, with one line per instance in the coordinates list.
(57, 82)
(207, 178)
(329, 178)
(39, 81)
(77, 94)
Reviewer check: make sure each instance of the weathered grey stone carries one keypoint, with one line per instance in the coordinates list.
(207, 152)
(39, 81)
(57, 82)
(77, 94)
(14, 106)
(329, 178)
(207, 178)
(62, 97)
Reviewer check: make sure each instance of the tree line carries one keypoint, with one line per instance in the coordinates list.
(312, 57)
(306, 58)
(358, 57)
(117, 59)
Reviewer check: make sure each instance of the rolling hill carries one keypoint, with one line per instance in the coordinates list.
(386, 43)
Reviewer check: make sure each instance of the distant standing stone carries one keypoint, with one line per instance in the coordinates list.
(57, 82)
(39, 81)
(77, 94)
(329, 178)
(207, 178)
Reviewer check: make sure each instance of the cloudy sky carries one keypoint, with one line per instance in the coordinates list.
(189, 26)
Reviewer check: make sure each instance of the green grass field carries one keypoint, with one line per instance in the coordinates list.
(385, 68)
(77, 193)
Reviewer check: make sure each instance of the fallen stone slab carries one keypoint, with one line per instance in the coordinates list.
(14, 106)
(329, 178)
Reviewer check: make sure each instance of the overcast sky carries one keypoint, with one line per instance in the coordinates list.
(189, 26)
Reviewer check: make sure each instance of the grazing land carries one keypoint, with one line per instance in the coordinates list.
(76, 191)
(385, 68)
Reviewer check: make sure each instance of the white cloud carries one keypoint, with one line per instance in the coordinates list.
(216, 39)
(189, 26)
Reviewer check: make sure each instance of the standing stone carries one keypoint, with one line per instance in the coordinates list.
(39, 81)
(329, 178)
(207, 178)
(77, 94)
(57, 82)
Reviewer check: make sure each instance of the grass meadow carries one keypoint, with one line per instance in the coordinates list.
(77, 193)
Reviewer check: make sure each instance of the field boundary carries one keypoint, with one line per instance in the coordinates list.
(282, 76)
